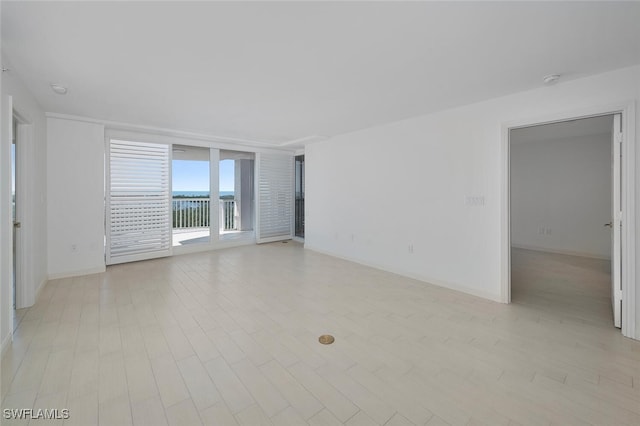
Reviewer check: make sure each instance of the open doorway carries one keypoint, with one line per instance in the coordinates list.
(20, 138)
(191, 202)
(564, 224)
(236, 193)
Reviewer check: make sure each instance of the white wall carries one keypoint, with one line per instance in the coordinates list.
(75, 198)
(561, 195)
(33, 205)
(373, 193)
(5, 220)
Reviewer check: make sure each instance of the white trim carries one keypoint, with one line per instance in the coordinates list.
(505, 217)
(228, 142)
(8, 221)
(140, 136)
(254, 200)
(627, 109)
(273, 239)
(214, 197)
(305, 140)
(39, 290)
(292, 231)
(560, 251)
(20, 165)
(426, 280)
(78, 273)
(629, 181)
(219, 245)
(615, 140)
(24, 275)
(138, 257)
(154, 130)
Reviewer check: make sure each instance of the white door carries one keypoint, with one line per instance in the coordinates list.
(138, 201)
(16, 210)
(274, 197)
(616, 216)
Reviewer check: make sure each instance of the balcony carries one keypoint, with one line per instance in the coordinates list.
(191, 219)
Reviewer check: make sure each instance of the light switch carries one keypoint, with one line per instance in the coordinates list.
(474, 200)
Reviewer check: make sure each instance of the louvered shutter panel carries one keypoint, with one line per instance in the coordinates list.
(138, 201)
(275, 197)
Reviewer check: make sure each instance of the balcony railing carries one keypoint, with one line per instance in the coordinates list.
(228, 215)
(189, 213)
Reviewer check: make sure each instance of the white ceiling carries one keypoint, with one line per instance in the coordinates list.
(277, 72)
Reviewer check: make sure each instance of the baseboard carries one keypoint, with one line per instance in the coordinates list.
(39, 289)
(560, 251)
(220, 244)
(29, 300)
(418, 277)
(6, 342)
(69, 274)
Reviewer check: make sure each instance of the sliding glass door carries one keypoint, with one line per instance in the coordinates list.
(191, 195)
(163, 198)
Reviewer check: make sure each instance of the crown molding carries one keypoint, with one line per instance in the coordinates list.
(119, 125)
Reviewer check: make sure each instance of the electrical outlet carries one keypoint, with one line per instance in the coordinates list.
(543, 230)
(474, 200)
(410, 248)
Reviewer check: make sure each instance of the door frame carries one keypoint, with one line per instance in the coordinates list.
(628, 186)
(24, 134)
(124, 133)
(295, 177)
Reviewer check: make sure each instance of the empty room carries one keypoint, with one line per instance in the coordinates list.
(426, 213)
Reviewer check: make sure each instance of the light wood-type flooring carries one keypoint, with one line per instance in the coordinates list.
(230, 337)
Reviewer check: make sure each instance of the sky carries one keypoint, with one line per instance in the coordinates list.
(194, 175)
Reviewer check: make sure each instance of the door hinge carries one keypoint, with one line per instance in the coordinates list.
(618, 294)
(618, 137)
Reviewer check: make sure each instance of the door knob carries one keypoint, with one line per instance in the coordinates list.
(610, 224)
(17, 224)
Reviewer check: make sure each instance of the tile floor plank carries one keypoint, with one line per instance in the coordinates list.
(203, 392)
(234, 393)
(169, 380)
(265, 394)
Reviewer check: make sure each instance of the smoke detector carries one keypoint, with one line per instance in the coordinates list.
(550, 79)
(58, 88)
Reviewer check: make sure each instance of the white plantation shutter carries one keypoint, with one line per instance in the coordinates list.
(275, 197)
(138, 201)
